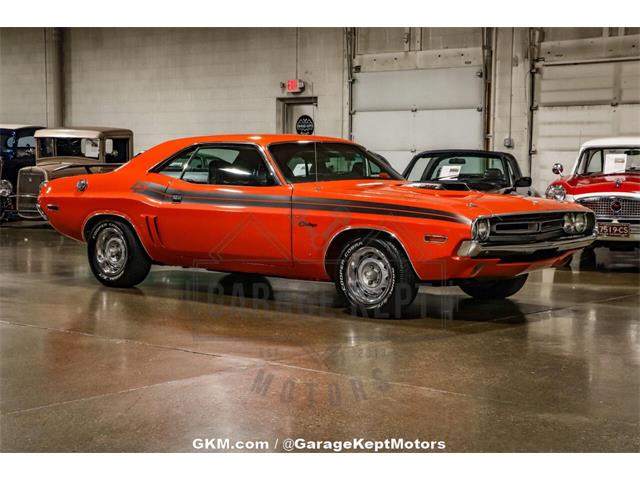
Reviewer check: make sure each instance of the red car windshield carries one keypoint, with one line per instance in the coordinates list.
(609, 161)
(319, 161)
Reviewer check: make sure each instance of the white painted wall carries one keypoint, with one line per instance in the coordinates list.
(168, 83)
(22, 76)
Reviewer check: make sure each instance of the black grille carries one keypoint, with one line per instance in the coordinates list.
(29, 181)
(523, 228)
(612, 207)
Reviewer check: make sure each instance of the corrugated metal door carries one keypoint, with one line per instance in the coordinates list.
(579, 102)
(398, 113)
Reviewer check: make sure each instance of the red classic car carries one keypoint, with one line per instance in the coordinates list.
(313, 208)
(606, 179)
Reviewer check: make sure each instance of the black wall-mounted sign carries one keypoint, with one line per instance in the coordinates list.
(305, 125)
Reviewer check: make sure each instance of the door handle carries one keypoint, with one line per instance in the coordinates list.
(176, 198)
(302, 223)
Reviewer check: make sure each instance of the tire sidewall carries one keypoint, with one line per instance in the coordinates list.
(92, 250)
(352, 247)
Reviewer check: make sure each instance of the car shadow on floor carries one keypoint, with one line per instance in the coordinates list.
(321, 299)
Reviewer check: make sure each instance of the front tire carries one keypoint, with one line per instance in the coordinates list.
(489, 289)
(116, 256)
(376, 278)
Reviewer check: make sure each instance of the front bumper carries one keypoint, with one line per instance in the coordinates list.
(473, 249)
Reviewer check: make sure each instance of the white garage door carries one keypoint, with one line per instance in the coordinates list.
(581, 102)
(399, 113)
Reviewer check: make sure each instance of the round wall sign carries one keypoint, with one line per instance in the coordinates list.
(304, 125)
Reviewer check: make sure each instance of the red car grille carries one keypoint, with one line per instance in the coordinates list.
(612, 207)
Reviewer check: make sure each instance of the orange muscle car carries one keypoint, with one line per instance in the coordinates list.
(308, 207)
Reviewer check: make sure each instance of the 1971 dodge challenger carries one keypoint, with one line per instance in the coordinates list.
(308, 207)
(606, 179)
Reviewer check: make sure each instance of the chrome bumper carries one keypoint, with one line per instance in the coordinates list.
(470, 248)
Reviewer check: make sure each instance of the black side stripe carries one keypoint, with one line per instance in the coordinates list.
(157, 192)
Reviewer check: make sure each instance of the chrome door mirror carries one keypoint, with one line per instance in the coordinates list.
(557, 169)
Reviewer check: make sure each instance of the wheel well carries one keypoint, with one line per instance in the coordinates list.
(344, 237)
(93, 221)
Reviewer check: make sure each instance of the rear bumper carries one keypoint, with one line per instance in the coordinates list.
(475, 249)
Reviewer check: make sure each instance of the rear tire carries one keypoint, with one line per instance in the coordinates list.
(116, 256)
(375, 278)
(488, 289)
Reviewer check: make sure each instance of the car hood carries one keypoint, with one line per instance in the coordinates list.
(626, 182)
(470, 204)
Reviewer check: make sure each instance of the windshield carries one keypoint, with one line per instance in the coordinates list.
(17, 143)
(69, 147)
(609, 161)
(480, 171)
(310, 161)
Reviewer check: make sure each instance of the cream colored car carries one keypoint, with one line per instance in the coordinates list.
(62, 152)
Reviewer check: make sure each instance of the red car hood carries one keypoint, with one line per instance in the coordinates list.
(627, 182)
(470, 204)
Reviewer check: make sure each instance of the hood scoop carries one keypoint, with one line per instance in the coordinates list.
(442, 185)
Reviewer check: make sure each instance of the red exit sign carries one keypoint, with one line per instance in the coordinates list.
(295, 86)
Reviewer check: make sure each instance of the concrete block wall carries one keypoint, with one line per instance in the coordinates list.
(22, 76)
(167, 83)
(511, 94)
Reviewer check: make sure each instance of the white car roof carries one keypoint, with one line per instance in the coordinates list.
(82, 132)
(612, 142)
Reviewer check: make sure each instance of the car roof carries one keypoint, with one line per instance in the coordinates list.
(463, 150)
(612, 142)
(81, 132)
(258, 138)
(16, 126)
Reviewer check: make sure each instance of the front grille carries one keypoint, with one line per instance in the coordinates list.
(602, 206)
(528, 227)
(29, 180)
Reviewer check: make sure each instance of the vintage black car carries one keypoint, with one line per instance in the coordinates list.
(486, 171)
(17, 150)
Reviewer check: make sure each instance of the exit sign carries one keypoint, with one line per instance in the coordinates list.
(295, 86)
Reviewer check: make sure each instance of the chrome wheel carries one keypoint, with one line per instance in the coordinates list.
(111, 251)
(368, 275)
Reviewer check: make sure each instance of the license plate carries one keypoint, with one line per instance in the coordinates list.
(613, 229)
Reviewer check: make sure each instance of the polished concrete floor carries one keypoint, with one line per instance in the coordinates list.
(191, 354)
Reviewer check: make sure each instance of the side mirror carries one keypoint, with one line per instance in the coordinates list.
(557, 169)
(522, 182)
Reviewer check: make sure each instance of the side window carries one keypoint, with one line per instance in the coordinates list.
(116, 150)
(228, 165)
(415, 175)
(26, 147)
(176, 165)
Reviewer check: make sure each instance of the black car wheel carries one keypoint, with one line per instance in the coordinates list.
(116, 256)
(486, 289)
(376, 278)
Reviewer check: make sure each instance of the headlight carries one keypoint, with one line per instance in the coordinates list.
(481, 229)
(569, 223)
(556, 192)
(41, 186)
(5, 188)
(580, 222)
